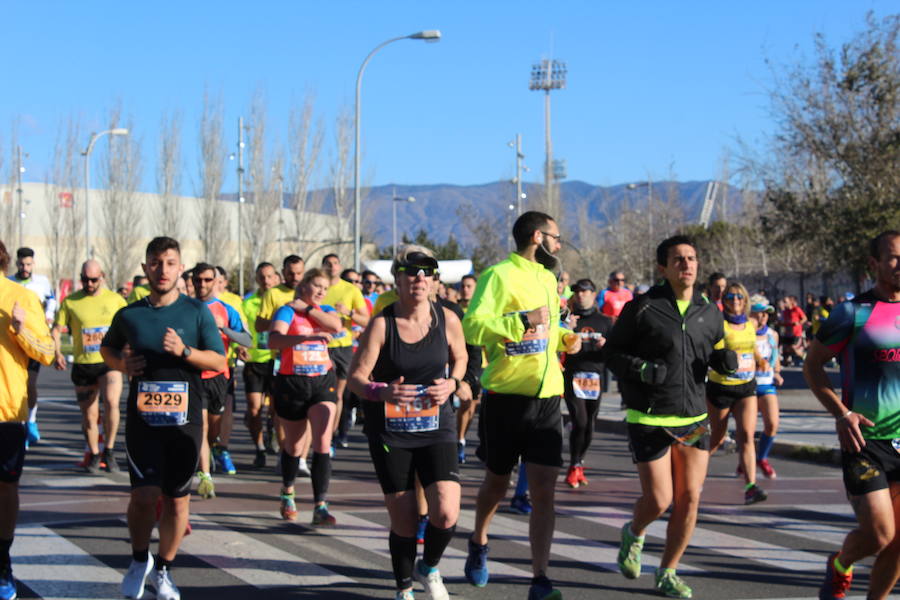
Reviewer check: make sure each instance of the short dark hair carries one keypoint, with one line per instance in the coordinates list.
(24, 252)
(4, 259)
(526, 225)
(331, 255)
(189, 274)
(715, 276)
(136, 279)
(346, 273)
(662, 251)
(291, 259)
(222, 271)
(161, 244)
(877, 244)
(263, 265)
(468, 276)
(201, 267)
(368, 273)
(612, 274)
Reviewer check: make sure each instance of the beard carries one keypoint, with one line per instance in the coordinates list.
(548, 260)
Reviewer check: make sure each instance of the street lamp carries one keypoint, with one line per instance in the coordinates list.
(397, 199)
(429, 35)
(548, 75)
(89, 251)
(519, 168)
(649, 185)
(19, 170)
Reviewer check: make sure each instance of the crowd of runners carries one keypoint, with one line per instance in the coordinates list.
(321, 348)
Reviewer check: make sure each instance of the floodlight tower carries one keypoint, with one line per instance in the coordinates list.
(548, 75)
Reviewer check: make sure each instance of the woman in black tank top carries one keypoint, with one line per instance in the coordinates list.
(401, 372)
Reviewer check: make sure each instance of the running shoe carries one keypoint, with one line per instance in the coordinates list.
(32, 434)
(431, 579)
(461, 453)
(110, 461)
(405, 595)
(93, 465)
(342, 441)
(259, 461)
(729, 446)
(136, 577)
(223, 460)
(582, 480)
(572, 477)
(303, 469)
(835, 585)
(629, 559)
(542, 589)
(754, 494)
(766, 468)
(205, 489)
(670, 584)
(288, 507)
(323, 518)
(161, 581)
(420, 529)
(476, 565)
(270, 440)
(521, 505)
(8, 584)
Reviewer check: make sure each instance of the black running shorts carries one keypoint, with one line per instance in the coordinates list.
(341, 358)
(510, 426)
(294, 395)
(874, 468)
(12, 451)
(164, 457)
(212, 392)
(88, 375)
(34, 366)
(650, 442)
(258, 377)
(396, 468)
(724, 396)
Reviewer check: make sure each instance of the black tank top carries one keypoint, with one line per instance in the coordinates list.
(419, 363)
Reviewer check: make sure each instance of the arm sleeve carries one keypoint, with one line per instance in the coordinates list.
(34, 336)
(208, 337)
(836, 331)
(619, 347)
(484, 323)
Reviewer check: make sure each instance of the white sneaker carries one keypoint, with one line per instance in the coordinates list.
(434, 584)
(136, 577)
(303, 469)
(161, 581)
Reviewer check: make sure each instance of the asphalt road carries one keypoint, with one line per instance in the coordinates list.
(72, 541)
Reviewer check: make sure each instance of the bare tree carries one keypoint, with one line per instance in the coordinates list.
(64, 220)
(9, 217)
(264, 181)
(170, 216)
(341, 172)
(304, 148)
(214, 226)
(121, 212)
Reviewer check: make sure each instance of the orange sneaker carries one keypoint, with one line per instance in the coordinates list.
(582, 480)
(572, 477)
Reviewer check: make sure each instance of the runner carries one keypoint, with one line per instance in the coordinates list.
(793, 320)
(305, 390)
(865, 332)
(766, 381)
(401, 370)
(232, 354)
(40, 285)
(25, 338)
(215, 383)
(583, 376)
(715, 288)
(139, 289)
(469, 393)
(162, 342)
(259, 362)
(347, 300)
(88, 313)
(370, 287)
(467, 290)
(660, 348)
(735, 393)
(514, 315)
(614, 298)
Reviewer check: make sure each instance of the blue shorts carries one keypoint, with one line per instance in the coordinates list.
(765, 389)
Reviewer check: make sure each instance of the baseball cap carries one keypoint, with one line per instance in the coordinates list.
(583, 284)
(759, 303)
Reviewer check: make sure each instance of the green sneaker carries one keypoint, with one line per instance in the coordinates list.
(205, 489)
(630, 553)
(670, 584)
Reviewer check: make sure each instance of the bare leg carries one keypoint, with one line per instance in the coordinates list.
(745, 416)
(172, 524)
(142, 516)
(718, 424)
(689, 467)
(88, 402)
(253, 418)
(656, 492)
(886, 570)
(204, 443)
(541, 486)
(490, 494)
(111, 384)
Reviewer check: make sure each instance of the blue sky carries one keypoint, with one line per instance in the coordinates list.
(653, 87)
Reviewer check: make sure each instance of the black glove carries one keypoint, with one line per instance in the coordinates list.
(723, 361)
(653, 373)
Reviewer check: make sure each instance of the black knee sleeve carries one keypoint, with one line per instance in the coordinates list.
(321, 475)
(436, 541)
(403, 556)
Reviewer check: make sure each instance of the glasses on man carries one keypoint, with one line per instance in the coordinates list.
(369, 282)
(89, 279)
(417, 270)
(555, 236)
(205, 279)
(619, 279)
(354, 281)
(733, 296)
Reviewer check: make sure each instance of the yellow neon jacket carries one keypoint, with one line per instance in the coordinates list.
(517, 363)
(32, 341)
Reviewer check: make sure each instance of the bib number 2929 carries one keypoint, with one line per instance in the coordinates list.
(163, 403)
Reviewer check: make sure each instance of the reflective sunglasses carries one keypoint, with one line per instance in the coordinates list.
(733, 296)
(90, 279)
(416, 270)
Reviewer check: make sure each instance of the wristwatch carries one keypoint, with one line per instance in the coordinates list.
(186, 353)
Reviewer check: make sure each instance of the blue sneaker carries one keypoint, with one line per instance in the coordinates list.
(223, 460)
(461, 452)
(420, 530)
(476, 565)
(520, 505)
(542, 589)
(32, 435)
(7, 584)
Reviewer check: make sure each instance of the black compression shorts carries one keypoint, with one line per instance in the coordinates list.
(341, 358)
(724, 396)
(258, 377)
(397, 468)
(165, 457)
(12, 451)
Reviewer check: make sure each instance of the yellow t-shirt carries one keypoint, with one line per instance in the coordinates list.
(234, 301)
(743, 342)
(344, 292)
(88, 318)
(273, 299)
(139, 291)
(385, 299)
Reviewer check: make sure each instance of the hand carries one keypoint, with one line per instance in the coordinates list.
(134, 363)
(398, 392)
(572, 342)
(17, 318)
(172, 342)
(60, 363)
(464, 392)
(779, 380)
(653, 373)
(440, 390)
(242, 353)
(298, 305)
(539, 316)
(323, 337)
(850, 436)
(342, 310)
(599, 342)
(572, 321)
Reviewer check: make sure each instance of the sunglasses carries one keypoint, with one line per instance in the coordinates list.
(618, 279)
(90, 279)
(204, 279)
(733, 296)
(354, 281)
(369, 282)
(416, 270)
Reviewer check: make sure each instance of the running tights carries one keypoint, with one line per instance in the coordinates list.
(403, 557)
(582, 413)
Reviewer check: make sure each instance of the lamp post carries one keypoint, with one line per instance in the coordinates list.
(519, 168)
(548, 75)
(88, 250)
(429, 35)
(394, 202)
(240, 175)
(649, 185)
(21, 204)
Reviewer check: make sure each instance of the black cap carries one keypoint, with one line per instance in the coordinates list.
(419, 259)
(583, 284)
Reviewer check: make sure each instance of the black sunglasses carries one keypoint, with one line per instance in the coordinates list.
(733, 296)
(416, 270)
(90, 279)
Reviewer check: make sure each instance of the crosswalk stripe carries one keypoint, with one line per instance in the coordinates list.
(248, 559)
(804, 529)
(55, 568)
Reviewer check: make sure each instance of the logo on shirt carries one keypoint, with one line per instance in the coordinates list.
(887, 355)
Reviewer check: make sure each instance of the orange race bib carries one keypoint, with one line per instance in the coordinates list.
(534, 341)
(586, 385)
(311, 359)
(163, 403)
(91, 337)
(418, 415)
(746, 366)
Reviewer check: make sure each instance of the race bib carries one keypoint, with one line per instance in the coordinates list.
(91, 337)
(163, 403)
(534, 341)
(418, 415)
(586, 385)
(746, 366)
(311, 359)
